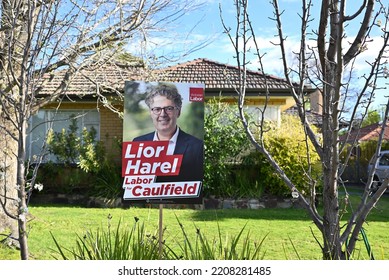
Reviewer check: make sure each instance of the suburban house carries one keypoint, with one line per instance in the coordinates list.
(94, 95)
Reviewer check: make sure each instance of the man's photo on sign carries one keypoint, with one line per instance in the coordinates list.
(171, 114)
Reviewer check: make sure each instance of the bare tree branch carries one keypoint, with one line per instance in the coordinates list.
(357, 44)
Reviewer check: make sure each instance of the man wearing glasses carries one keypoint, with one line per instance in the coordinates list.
(165, 102)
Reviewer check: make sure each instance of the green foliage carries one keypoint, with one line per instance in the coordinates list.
(357, 164)
(105, 182)
(224, 141)
(123, 243)
(64, 145)
(192, 119)
(367, 244)
(247, 181)
(108, 180)
(291, 149)
(287, 146)
(135, 243)
(89, 155)
(373, 116)
(64, 179)
(219, 248)
(69, 148)
(268, 180)
(232, 170)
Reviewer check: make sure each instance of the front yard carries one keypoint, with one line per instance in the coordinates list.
(287, 233)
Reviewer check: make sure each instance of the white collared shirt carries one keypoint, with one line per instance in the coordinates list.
(172, 141)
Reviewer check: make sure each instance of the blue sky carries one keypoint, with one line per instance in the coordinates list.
(204, 25)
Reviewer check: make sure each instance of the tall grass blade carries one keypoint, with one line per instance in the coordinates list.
(367, 244)
(294, 248)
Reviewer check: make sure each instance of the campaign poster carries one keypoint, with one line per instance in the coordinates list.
(163, 142)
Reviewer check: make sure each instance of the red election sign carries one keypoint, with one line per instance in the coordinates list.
(142, 162)
(157, 171)
(149, 158)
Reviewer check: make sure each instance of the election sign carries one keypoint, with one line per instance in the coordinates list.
(143, 162)
(163, 149)
(149, 158)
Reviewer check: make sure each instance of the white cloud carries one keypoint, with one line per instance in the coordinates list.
(271, 60)
(369, 54)
(269, 51)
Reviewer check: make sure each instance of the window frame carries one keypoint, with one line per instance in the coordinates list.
(35, 147)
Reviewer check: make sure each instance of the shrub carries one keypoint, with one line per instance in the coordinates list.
(89, 155)
(69, 148)
(294, 153)
(64, 145)
(92, 154)
(108, 180)
(224, 141)
(232, 169)
(64, 179)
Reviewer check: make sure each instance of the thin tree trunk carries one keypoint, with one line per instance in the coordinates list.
(21, 181)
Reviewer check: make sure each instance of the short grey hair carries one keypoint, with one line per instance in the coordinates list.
(168, 90)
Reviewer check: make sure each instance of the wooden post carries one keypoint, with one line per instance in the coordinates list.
(160, 230)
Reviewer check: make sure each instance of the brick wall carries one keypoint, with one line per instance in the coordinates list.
(111, 132)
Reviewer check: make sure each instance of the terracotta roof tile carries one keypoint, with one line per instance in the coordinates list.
(84, 82)
(112, 76)
(366, 133)
(217, 75)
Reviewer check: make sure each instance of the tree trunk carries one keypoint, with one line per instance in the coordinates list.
(22, 221)
(8, 192)
(13, 71)
(332, 247)
(21, 181)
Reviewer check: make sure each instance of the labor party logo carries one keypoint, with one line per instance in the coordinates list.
(196, 94)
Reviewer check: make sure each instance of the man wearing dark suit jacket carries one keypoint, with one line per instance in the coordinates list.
(165, 104)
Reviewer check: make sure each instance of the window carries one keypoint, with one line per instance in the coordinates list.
(57, 120)
(384, 160)
(272, 113)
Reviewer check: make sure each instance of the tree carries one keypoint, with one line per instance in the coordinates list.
(373, 116)
(38, 38)
(324, 66)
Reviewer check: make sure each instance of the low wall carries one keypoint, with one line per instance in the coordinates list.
(208, 203)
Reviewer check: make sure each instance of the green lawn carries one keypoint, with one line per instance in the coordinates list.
(285, 228)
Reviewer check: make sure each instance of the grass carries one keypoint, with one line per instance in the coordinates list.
(288, 232)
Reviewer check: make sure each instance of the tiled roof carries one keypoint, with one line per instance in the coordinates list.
(366, 133)
(109, 76)
(112, 77)
(313, 117)
(217, 75)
